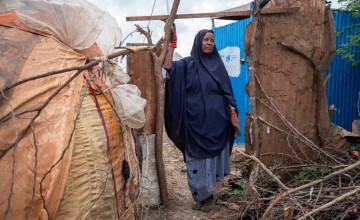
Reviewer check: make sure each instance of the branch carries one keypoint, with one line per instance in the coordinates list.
(282, 195)
(35, 170)
(51, 73)
(158, 44)
(281, 184)
(39, 110)
(13, 157)
(78, 68)
(113, 108)
(146, 34)
(319, 193)
(297, 134)
(54, 165)
(253, 67)
(329, 204)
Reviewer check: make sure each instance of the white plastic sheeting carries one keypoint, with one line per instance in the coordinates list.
(129, 104)
(78, 24)
(127, 97)
(150, 184)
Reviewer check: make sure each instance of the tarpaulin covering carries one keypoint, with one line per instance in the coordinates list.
(79, 24)
(44, 160)
(46, 140)
(89, 191)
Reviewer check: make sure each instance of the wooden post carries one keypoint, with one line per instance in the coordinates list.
(223, 14)
(252, 85)
(158, 62)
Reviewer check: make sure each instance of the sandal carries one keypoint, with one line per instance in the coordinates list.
(197, 205)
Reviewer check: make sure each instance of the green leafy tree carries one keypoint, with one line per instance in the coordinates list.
(351, 50)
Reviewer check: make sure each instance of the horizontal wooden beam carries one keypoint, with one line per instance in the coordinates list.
(223, 14)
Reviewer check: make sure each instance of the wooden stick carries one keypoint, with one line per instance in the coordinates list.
(255, 51)
(146, 34)
(38, 112)
(160, 101)
(215, 14)
(281, 184)
(319, 193)
(282, 195)
(79, 68)
(329, 204)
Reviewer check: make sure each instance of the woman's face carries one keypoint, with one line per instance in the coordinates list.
(208, 44)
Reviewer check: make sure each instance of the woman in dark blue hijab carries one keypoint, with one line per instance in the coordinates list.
(200, 114)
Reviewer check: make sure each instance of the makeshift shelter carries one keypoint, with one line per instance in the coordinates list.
(342, 87)
(287, 95)
(64, 154)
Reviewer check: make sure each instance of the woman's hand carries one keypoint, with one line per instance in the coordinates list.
(173, 38)
(235, 122)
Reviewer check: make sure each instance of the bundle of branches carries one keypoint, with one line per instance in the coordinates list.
(326, 189)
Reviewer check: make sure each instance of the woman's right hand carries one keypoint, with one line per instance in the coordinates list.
(173, 38)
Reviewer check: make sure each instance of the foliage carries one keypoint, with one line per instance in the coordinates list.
(356, 147)
(351, 50)
(312, 173)
(270, 182)
(238, 187)
(351, 5)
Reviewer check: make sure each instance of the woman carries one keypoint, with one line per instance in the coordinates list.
(200, 115)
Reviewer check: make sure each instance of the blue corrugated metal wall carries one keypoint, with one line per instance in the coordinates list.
(233, 35)
(342, 89)
(344, 85)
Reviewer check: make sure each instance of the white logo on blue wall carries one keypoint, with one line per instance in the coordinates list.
(231, 58)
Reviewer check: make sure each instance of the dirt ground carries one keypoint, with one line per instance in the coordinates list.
(180, 199)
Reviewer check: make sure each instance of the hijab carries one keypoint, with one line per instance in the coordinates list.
(197, 94)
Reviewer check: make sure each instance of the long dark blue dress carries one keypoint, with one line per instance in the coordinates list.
(197, 117)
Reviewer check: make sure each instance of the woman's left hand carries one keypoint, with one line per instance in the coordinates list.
(235, 122)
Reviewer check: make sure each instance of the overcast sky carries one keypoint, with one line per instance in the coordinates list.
(186, 28)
